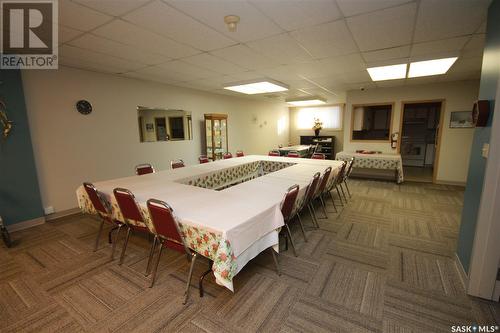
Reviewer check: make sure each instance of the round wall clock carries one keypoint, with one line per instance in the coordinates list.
(84, 107)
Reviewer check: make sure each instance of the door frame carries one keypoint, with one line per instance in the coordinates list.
(439, 130)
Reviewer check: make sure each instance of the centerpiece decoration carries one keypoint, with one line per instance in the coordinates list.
(318, 126)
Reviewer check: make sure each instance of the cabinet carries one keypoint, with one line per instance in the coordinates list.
(216, 135)
(326, 144)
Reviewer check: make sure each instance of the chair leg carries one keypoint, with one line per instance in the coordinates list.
(302, 227)
(333, 201)
(150, 258)
(124, 248)
(347, 187)
(110, 234)
(188, 284)
(200, 283)
(323, 205)
(118, 228)
(98, 235)
(155, 269)
(275, 259)
(343, 193)
(313, 214)
(291, 240)
(340, 196)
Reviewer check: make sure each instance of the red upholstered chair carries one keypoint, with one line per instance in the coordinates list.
(167, 233)
(309, 196)
(104, 211)
(274, 153)
(346, 175)
(133, 219)
(335, 184)
(240, 153)
(287, 208)
(203, 159)
(227, 155)
(143, 169)
(321, 189)
(318, 156)
(293, 154)
(175, 164)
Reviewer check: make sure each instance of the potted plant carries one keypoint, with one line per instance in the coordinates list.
(318, 126)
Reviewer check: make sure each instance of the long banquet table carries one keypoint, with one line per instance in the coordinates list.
(227, 223)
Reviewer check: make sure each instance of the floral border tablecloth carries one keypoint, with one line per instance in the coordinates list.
(375, 161)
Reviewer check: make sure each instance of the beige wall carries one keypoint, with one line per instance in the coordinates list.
(71, 148)
(455, 143)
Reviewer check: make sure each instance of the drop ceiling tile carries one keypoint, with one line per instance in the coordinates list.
(116, 49)
(190, 70)
(112, 7)
(253, 24)
(474, 47)
(422, 80)
(387, 54)
(326, 40)
(208, 61)
(383, 29)
(76, 54)
(245, 57)
(453, 45)
(282, 47)
(342, 64)
(298, 14)
(89, 66)
(466, 65)
(350, 7)
(168, 21)
(78, 17)
(390, 83)
(67, 34)
(461, 18)
(244, 76)
(150, 75)
(482, 28)
(284, 72)
(389, 62)
(355, 77)
(129, 34)
(164, 74)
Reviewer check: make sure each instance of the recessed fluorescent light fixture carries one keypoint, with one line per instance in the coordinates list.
(391, 72)
(431, 67)
(257, 87)
(306, 101)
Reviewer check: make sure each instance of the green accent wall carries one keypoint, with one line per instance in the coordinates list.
(477, 164)
(19, 192)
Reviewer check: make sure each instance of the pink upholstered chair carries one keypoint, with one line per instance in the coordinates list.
(335, 184)
(133, 219)
(203, 159)
(240, 153)
(227, 155)
(175, 164)
(346, 175)
(318, 156)
(167, 233)
(104, 211)
(274, 153)
(293, 154)
(309, 197)
(143, 169)
(287, 208)
(321, 189)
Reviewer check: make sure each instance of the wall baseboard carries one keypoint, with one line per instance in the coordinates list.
(445, 182)
(26, 224)
(63, 213)
(463, 275)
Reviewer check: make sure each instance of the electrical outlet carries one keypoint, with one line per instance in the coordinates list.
(485, 150)
(49, 210)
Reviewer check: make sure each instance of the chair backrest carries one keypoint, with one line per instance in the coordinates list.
(318, 156)
(349, 169)
(227, 155)
(312, 187)
(128, 206)
(175, 164)
(324, 180)
(289, 201)
(100, 205)
(293, 153)
(274, 153)
(165, 224)
(203, 159)
(143, 169)
(240, 153)
(340, 175)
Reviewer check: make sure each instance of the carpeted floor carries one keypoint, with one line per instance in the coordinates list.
(385, 263)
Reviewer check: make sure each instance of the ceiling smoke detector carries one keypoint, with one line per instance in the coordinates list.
(231, 22)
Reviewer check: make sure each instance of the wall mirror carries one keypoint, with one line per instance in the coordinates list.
(371, 122)
(157, 124)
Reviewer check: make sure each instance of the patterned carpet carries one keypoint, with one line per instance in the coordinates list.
(385, 263)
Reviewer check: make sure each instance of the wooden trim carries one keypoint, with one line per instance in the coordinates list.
(353, 106)
(461, 272)
(25, 224)
(439, 129)
(63, 213)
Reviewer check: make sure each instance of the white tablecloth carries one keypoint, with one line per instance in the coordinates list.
(375, 161)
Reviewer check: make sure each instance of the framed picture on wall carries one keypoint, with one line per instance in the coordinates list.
(149, 127)
(461, 119)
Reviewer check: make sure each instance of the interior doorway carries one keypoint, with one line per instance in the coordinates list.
(420, 137)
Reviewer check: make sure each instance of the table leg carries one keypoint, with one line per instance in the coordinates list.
(200, 284)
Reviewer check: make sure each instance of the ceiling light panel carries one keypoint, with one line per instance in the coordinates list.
(431, 67)
(391, 72)
(257, 87)
(306, 101)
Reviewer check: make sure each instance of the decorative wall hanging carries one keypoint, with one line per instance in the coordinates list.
(461, 119)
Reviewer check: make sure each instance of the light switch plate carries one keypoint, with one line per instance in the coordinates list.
(49, 210)
(485, 151)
